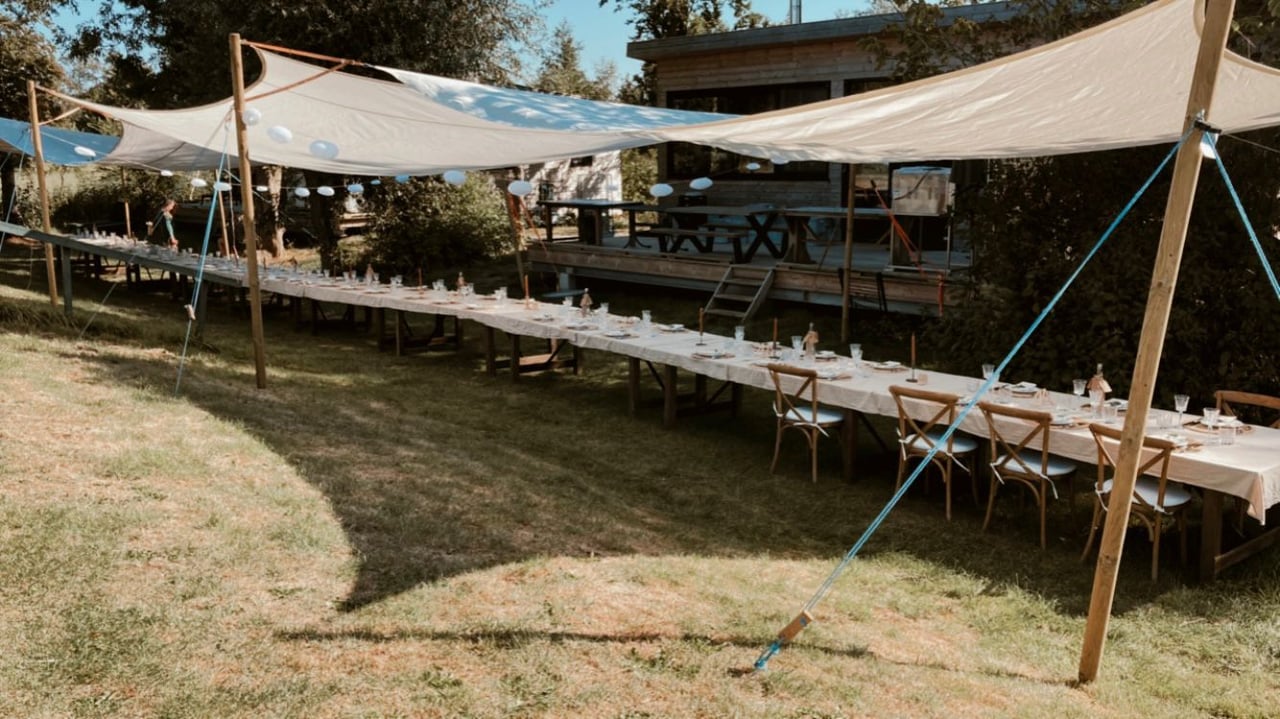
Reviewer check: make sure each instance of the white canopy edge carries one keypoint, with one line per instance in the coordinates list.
(1124, 83)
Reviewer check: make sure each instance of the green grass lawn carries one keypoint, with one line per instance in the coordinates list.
(374, 536)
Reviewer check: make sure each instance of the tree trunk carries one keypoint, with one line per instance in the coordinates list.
(270, 220)
(322, 220)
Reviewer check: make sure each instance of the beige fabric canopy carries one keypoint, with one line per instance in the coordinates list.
(1121, 84)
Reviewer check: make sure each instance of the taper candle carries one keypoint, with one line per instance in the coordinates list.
(913, 349)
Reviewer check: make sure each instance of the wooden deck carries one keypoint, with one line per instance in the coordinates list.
(875, 284)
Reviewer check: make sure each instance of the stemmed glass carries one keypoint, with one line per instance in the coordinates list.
(1077, 387)
(989, 370)
(1180, 402)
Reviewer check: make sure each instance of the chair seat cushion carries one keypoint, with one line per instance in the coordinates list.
(1057, 467)
(960, 443)
(1175, 495)
(803, 413)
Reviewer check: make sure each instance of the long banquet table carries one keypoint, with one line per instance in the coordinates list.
(1249, 469)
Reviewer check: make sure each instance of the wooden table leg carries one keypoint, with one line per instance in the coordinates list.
(1210, 534)
(515, 357)
(490, 352)
(633, 385)
(399, 320)
(670, 396)
(700, 391)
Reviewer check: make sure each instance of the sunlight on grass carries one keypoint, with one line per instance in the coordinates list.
(383, 536)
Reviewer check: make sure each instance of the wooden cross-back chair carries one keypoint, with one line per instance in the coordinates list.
(796, 406)
(1230, 402)
(1014, 432)
(1155, 498)
(917, 437)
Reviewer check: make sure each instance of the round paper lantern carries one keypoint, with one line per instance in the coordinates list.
(402, 179)
(222, 187)
(779, 160)
(198, 183)
(375, 181)
(280, 134)
(302, 192)
(261, 188)
(661, 189)
(324, 191)
(166, 173)
(520, 188)
(455, 177)
(753, 166)
(355, 188)
(83, 151)
(323, 149)
(251, 116)
(700, 183)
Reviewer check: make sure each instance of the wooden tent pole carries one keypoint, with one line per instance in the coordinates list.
(1164, 279)
(128, 222)
(37, 146)
(845, 282)
(222, 224)
(246, 199)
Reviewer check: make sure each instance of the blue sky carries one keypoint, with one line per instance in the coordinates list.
(604, 33)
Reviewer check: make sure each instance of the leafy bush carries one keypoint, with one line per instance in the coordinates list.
(426, 224)
(99, 195)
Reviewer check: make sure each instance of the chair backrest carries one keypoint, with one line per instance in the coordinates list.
(1107, 438)
(784, 402)
(1012, 430)
(939, 407)
(1228, 400)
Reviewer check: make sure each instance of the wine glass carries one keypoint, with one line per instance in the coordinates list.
(739, 336)
(1180, 402)
(1078, 386)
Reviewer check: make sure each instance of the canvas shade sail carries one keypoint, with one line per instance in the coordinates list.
(1121, 84)
(379, 127)
(60, 146)
(1124, 83)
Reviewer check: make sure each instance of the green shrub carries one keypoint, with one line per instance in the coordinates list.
(426, 224)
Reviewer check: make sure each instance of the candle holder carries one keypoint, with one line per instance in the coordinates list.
(912, 376)
(700, 342)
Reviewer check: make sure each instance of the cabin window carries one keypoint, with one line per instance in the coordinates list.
(686, 161)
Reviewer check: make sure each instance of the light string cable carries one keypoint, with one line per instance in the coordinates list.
(193, 306)
(803, 619)
(1211, 139)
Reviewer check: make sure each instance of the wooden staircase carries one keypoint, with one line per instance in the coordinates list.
(740, 293)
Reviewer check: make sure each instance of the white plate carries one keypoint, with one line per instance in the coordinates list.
(887, 364)
(826, 354)
(671, 328)
(617, 334)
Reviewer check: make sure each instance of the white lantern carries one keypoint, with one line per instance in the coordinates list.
(222, 187)
(198, 183)
(375, 181)
(323, 149)
(402, 179)
(661, 189)
(700, 183)
(261, 188)
(166, 173)
(455, 177)
(779, 160)
(520, 188)
(280, 134)
(753, 166)
(302, 192)
(355, 188)
(83, 151)
(324, 191)
(251, 116)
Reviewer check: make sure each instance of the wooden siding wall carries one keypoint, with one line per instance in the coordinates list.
(830, 61)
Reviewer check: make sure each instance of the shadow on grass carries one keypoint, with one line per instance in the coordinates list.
(434, 469)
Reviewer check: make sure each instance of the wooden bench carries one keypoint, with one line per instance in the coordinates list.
(670, 239)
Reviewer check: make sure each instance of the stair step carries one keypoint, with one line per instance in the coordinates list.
(725, 313)
(734, 297)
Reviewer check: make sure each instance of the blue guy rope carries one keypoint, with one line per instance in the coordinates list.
(199, 280)
(806, 617)
(1212, 141)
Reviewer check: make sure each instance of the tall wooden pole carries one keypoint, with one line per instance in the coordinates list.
(128, 222)
(845, 281)
(37, 146)
(246, 199)
(1186, 172)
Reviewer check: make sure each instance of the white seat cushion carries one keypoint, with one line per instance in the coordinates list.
(1175, 495)
(803, 413)
(1058, 467)
(960, 443)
